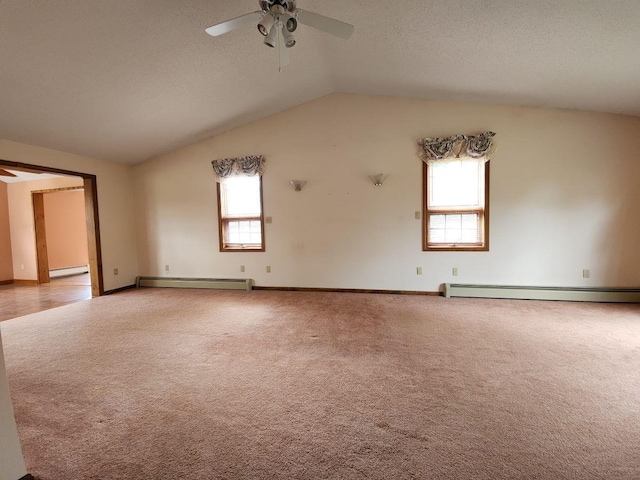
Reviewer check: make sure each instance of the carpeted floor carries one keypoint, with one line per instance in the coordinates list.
(192, 384)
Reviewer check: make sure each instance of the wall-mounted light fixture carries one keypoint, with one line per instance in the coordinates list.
(298, 185)
(378, 179)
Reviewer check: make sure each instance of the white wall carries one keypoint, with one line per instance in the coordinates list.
(6, 257)
(11, 463)
(66, 229)
(115, 205)
(564, 197)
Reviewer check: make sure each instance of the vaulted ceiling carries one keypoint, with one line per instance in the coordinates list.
(125, 80)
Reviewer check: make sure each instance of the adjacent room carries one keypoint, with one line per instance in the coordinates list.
(322, 239)
(44, 242)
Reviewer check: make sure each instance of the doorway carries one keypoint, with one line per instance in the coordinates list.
(89, 186)
(60, 232)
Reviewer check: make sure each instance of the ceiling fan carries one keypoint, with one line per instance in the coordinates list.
(277, 20)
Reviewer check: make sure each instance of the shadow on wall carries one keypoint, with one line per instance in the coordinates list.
(618, 239)
(619, 242)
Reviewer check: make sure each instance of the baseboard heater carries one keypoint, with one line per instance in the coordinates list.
(573, 294)
(181, 282)
(68, 271)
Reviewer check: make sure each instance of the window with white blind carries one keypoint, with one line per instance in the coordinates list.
(456, 205)
(241, 222)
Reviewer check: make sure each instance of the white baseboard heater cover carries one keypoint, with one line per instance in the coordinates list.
(68, 271)
(573, 294)
(212, 283)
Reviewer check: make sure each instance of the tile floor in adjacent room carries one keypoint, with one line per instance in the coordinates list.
(19, 300)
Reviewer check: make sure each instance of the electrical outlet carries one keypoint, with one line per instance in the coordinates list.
(115, 271)
(268, 220)
(586, 273)
(419, 271)
(417, 215)
(22, 266)
(242, 268)
(268, 269)
(166, 268)
(454, 271)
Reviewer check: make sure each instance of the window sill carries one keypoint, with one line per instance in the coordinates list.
(242, 249)
(462, 248)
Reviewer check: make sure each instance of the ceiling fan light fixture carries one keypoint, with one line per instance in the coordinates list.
(289, 38)
(271, 39)
(291, 24)
(266, 24)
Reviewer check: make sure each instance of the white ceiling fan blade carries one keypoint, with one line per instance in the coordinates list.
(325, 24)
(235, 23)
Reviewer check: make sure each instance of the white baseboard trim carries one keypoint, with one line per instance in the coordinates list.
(573, 294)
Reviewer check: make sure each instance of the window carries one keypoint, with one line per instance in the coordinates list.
(456, 205)
(240, 219)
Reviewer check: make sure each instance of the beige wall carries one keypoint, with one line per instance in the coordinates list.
(11, 463)
(115, 202)
(564, 197)
(6, 262)
(66, 228)
(23, 240)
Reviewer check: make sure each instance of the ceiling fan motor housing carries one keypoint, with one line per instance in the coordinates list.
(287, 5)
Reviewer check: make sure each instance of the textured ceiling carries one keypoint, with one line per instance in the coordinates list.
(126, 80)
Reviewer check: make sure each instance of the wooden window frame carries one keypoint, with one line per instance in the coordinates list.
(426, 213)
(223, 222)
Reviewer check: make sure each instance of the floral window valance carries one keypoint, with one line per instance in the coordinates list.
(434, 150)
(249, 166)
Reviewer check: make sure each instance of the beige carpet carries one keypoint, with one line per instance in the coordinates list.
(189, 384)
